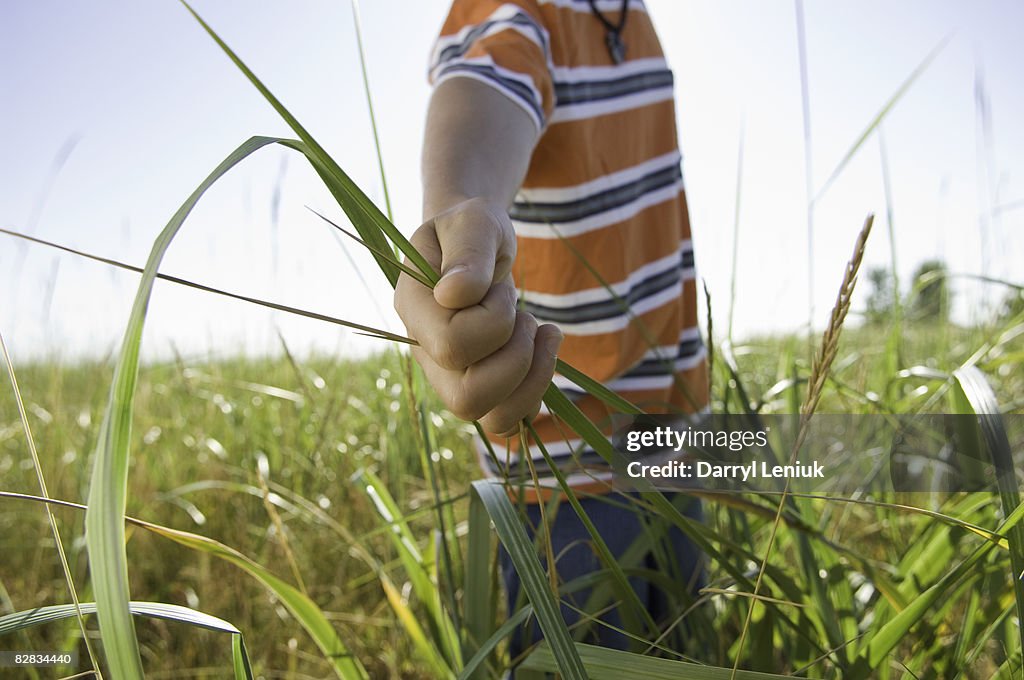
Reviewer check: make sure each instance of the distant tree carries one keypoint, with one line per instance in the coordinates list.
(929, 299)
(880, 299)
(1013, 305)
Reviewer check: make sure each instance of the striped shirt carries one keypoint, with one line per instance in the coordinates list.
(603, 234)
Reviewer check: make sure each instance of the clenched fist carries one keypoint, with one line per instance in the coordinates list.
(487, 360)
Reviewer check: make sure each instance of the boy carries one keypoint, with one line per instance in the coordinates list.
(555, 212)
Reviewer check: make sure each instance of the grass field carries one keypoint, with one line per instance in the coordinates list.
(241, 450)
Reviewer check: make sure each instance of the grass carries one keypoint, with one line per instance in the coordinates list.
(203, 425)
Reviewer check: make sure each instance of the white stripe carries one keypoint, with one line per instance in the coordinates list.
(669, 351)
(603, 107)
(600, 220)
(641, 382)
(555, 448)
(658, 353)
(686, 363)
(602, 294)
(617, 323)
(600, 184)
(574, 480)
(572, 75)
(501, 16)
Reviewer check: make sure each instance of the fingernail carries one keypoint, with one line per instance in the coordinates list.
(454, 269)
(553, 343)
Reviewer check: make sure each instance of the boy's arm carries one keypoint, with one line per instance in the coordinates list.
(485, 359)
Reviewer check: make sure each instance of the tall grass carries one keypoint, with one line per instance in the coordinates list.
(351, 479)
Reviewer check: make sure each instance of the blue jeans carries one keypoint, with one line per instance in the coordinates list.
(620, 523)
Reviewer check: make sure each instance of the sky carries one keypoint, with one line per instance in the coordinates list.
(113, 111)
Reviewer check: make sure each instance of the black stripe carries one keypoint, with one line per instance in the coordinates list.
(607, 309)
(596, 203)
(688, 261)
(650, 368)
(567, 94)
(584, 5)
(587, 457)
(613, 307)
(457, 50)
(520, 90)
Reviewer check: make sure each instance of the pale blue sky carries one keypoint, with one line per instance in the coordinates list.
(151, 105)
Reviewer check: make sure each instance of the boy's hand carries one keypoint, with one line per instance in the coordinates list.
(486, 360)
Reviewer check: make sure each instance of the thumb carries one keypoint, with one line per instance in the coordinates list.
(477, 249)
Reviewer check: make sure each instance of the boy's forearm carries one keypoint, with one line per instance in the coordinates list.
(477, 145)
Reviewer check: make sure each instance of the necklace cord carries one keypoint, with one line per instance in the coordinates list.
(615, 29)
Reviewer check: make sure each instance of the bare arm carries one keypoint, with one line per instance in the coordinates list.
(477, 145)
(485, 359)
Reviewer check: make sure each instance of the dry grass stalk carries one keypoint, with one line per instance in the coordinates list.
(815, 384)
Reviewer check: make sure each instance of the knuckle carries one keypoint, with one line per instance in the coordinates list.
(422, 235)
(522, 360)
(501, 424)
(448, 354)
(464, 406)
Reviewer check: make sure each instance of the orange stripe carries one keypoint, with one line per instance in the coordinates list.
(550, 265)
(601, 145)
(605, 356)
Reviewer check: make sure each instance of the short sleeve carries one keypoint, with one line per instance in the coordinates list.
(503, 45)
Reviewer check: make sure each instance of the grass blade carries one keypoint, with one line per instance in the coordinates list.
(478, 611)
(612, 664)
(366, 217)
(104, 519)
(880, 116)
(157, 610)
(983, 403)
(357, 21)
(46, 494)
(403, 540)
(513, 536)
(305, 611)
(368, 331)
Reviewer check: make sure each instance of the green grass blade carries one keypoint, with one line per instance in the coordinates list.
(373, 226)
(472, 669)
(369, 331)
(240, 659)
(104, 520)
(357, 21)
(415, 568)
(478, 612)
(509, 528)
(881, 115)
(983, 403)
(305, 611)
(58, 543)
(157, 610)
(612, 664)
(620, 583)
(596, 389)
